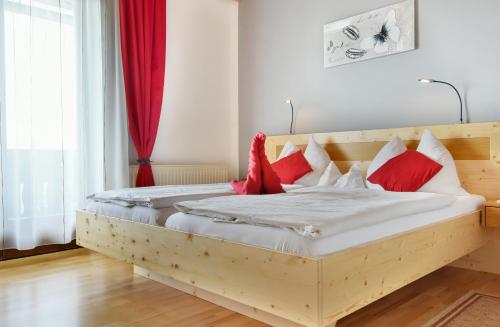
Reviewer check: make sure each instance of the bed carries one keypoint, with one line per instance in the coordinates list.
(313, 286)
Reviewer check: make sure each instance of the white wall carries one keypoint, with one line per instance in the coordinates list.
(199, 120)
(281, 56)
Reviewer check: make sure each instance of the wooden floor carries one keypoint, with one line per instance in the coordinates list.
(82, 288)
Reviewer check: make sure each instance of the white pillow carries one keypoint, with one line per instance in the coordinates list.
(330, 176)
(289, 149)
(446, 181)
(318, 159)
(352, 180)
(391, 150)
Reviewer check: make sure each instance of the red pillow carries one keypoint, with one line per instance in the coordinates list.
(292, 167)
(261, 178)
(407, 172)
(253, 183)
(270, 181)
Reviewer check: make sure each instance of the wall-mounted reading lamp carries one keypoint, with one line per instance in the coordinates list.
(430, 81)
(289, 101)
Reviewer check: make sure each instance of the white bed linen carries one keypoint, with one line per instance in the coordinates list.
(138, 214)
(319, 211)
(150, 214)
(286, 240)
(160, 196)
(166, 195)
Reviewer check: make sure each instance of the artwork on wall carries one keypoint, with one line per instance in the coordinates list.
(377, 33)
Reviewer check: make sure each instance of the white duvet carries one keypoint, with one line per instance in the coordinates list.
(316, 212)
(161, 196)
(158, 197)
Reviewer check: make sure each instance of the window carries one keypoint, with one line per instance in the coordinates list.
(51, 117)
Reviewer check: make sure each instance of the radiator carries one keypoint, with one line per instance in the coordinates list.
(185, 174)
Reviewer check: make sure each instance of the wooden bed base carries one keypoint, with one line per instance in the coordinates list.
(222, 301)
(284, 289)
(280, 288)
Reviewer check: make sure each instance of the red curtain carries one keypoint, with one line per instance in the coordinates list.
(143, 26)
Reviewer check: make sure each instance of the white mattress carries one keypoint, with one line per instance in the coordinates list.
(138, 214)
(286, 240)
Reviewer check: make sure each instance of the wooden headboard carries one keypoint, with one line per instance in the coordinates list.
(475, 148)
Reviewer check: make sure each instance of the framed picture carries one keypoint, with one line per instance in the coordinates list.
(377, 33)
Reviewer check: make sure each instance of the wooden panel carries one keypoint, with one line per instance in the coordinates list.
(492, 202)
(217, 299)
(486, 258)
(359, 276)
(492, 217)
(475, 147)
(281, 284)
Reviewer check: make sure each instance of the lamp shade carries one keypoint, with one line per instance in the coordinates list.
(426, 80)
(289, 101)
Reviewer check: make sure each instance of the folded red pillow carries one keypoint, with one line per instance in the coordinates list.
(292, 167)
(261, 178)
(407, 172)
(270, 181)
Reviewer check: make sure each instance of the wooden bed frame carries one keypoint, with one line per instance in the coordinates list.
(285, 289)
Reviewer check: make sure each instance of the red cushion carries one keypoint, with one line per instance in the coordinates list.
(253, 183)
(261, 178)
(270, 181)
(407, 172)
(292, 167)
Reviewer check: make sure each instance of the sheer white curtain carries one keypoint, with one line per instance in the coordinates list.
(116, 139)
(52, 89)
